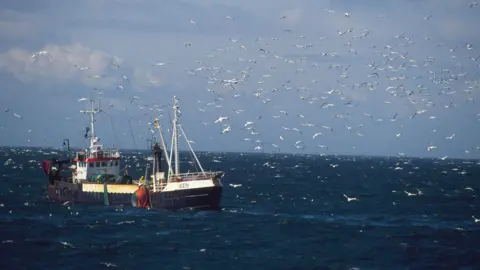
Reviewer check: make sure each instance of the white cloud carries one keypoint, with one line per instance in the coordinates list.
(63, 63)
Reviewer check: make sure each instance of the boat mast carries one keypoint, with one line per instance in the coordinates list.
(92, 113)
(92, 123)
(175, 134)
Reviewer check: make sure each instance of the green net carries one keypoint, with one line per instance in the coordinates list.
(111, 179)
(102, 178)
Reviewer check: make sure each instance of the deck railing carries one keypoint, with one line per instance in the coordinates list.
(194, 176)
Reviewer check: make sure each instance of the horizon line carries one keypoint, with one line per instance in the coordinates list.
(270, 153)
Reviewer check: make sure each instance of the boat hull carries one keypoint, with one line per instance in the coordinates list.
(204, 198)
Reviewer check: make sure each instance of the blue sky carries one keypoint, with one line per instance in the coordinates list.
(370, 59)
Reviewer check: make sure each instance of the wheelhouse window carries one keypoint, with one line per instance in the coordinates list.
(116, 162)
(91, 164)
(104, 164)
(97, 164)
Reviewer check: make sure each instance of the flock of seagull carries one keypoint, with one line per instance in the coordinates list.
(415, 85)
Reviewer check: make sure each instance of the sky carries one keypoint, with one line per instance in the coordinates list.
(390, 77)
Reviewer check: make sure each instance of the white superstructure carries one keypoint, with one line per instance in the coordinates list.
(96, 159)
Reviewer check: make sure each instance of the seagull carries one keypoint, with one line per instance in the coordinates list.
(322, 146)
(327, 127)
(35, 55)
(238, 111)
(475, 219)
(226, 129)
(235, 185)
(66, 244)
(410, 194)
(350, 199)
(316, 134)
(82, 99)
(431, 147)
(450, 137)
(158, 64)
(133, 98)
(107, 264)
(221, 118)
(81, 68)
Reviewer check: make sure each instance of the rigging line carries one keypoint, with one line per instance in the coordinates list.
(191, 149)
(193, 159)
(110, 117)
(131, 133)
(115, 137)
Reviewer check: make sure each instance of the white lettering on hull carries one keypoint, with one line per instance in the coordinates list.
(183, 185)
(172, 186)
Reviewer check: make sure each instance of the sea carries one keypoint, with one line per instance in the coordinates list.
(279, 211)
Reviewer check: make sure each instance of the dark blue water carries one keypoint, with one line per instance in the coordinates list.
(289, 213)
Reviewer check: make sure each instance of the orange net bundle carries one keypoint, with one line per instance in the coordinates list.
(141, 197)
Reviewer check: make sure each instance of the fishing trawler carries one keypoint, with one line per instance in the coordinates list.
(94, 176)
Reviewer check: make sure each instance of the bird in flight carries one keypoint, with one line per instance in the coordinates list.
(350, 198)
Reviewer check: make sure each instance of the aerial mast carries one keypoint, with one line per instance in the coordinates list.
(175, 135)
(92, 112)
(92, 119)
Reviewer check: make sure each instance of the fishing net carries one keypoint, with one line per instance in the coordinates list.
(123, 179)
(141, 198)
(103, 178)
